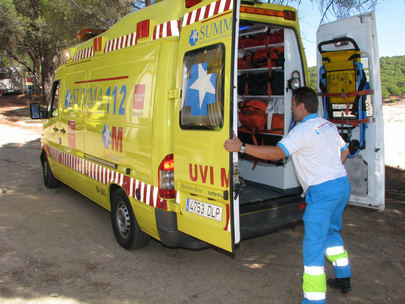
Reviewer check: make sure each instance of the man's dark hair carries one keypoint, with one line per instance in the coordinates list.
(308, 97)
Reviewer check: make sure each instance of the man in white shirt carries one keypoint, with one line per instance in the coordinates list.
(318, 153)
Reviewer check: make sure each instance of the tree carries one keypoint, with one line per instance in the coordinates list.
(35, 31)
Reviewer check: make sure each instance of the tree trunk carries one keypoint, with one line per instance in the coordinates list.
(36, 77)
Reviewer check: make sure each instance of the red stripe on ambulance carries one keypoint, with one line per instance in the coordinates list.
(207, 11)
(228, 219)
(84, 53)
(148, 194)
(120, 42)
(166, 29)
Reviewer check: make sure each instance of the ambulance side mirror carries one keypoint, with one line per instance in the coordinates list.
(36, 113)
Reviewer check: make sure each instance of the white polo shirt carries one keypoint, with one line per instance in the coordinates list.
(315, 146)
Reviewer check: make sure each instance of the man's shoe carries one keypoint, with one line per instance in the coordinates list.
(342, 284)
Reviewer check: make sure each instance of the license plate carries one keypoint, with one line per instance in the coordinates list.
(204, 209)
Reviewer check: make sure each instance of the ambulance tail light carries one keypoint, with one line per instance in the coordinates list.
(166, 178)
(191, 3)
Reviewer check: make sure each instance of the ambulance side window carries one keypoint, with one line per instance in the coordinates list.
(202, 103)
(54, 101)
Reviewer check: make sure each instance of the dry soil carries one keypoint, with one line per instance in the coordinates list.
(58, 247)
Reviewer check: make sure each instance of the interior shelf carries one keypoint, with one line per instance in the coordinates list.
(259, 96)
(259, 70)
(257, 47)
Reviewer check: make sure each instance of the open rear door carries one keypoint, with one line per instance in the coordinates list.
(359, 122)
(203, 122)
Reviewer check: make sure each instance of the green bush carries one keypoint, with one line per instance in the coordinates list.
(385, 93)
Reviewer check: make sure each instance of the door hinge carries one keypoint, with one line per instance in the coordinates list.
(238, 182)
(174, 94)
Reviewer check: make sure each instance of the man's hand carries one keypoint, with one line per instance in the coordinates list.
(233, 145)
(344, 154)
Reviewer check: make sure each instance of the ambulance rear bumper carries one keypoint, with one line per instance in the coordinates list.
(169, 234)
(276, 215)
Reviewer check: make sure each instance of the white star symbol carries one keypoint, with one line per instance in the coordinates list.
(203, 84)
(194, 36)
(107, 137)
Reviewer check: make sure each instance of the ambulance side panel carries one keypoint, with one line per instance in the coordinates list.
(119, 124)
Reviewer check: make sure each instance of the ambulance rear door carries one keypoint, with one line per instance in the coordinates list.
(365, 168)
(203, 121)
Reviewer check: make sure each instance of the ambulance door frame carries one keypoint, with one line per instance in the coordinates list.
(234, 157)
(54, 121)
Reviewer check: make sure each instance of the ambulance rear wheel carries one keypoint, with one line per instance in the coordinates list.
(125, 226)
(50, 180)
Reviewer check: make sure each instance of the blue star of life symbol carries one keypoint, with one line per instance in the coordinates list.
(201, 89)
(106, 137)
(193, 38)
(68, 99)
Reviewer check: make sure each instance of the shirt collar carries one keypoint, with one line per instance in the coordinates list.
(310, 116)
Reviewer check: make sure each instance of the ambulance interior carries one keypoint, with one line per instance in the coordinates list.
(269, 62)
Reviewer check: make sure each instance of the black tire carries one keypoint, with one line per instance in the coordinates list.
(126, 228)
(50, 180)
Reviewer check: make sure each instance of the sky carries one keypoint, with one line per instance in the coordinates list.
(390, 20)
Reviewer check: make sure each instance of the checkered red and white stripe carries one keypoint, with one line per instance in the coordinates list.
(167, 29)
(148, 193)
(120, 42)
(228, 219)
(207, 11)
(62, 59)
(84, 53)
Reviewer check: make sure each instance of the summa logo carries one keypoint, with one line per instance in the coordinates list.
(211, 30)
(323, 128)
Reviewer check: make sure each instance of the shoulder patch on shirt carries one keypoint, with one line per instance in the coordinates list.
(324, 127)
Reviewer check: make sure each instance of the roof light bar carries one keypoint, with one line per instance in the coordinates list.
(287, 15)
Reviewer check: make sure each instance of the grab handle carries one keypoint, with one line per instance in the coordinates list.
(337, 40)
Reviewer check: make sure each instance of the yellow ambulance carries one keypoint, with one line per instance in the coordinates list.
(138, 116)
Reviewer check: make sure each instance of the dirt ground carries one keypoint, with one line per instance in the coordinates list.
(58, 247)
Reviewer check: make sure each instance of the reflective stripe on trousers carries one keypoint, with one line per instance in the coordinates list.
(339, 257)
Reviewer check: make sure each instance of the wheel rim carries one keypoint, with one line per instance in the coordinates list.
(123, 220)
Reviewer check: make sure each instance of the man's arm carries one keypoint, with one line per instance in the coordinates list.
(344, 154)
(262, 152)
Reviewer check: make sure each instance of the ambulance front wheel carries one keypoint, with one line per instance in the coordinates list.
(50, 180)
(125, 226)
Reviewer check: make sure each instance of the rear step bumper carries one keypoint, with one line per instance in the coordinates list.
(255, 223)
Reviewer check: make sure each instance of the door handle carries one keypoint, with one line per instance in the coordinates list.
(55, 129)
(62, 131)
